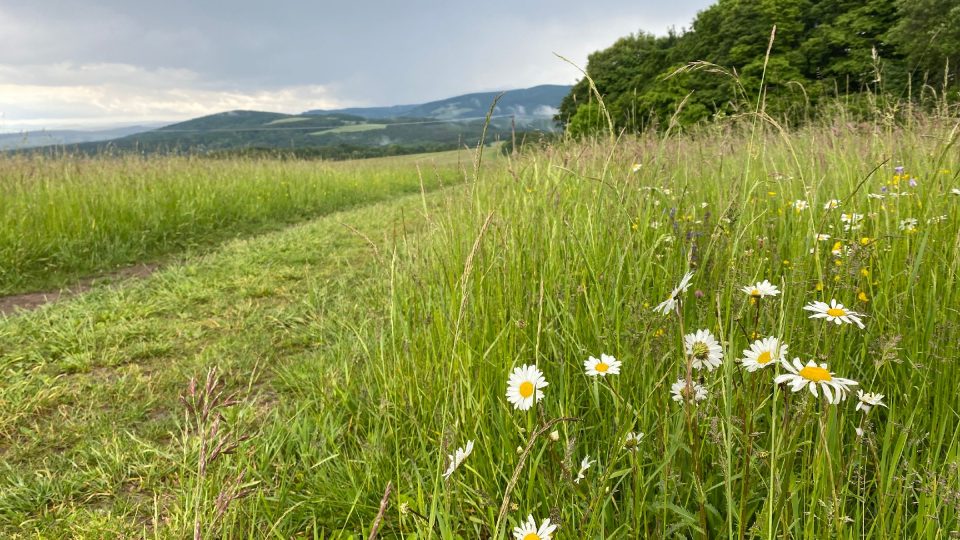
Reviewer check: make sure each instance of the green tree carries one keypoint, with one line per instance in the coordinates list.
(927, 33)
(823, 49)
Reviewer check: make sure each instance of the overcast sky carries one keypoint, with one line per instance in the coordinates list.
(110, 62)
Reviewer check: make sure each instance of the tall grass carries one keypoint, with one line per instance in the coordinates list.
(359, 375)
(65, 218)
(564, 256)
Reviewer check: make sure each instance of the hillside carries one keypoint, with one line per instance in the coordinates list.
(344, 133)
(528, 106)
(332, 135)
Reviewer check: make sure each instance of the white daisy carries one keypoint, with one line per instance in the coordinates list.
(908, 225)
(764, 352)
(632, 441)
(636, 167)
(851, 221)
(831, 204)
(457, 458)
(524, 387)
(704, 348)
(833, 312)
(679, 391)
(868, 399)
(670, 303)
(528, 530)
(800, 205)
(761, 289)
(822, 237)
(875, 195)
(811, 376)
(606, 365)
(955, 191)
(584, 465)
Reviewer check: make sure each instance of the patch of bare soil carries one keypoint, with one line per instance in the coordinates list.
(30, 301)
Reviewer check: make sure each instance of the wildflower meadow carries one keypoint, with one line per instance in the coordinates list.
(743, 331)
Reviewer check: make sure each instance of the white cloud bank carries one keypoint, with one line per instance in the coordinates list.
(100, 95)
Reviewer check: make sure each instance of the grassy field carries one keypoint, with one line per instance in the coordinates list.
(353, 361)
(65, 219)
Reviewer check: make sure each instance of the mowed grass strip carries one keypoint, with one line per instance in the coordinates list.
(356, 128)
(90, 423)
(67, 218)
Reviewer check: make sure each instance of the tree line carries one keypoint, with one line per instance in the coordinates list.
(865, 51)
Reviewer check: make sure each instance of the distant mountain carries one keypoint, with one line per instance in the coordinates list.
(33, 139)
(346, 133)
(331, 135)
(529, 105)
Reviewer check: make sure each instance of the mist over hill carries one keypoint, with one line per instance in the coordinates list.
(527, 106)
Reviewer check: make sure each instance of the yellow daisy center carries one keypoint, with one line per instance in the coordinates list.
(601, 367)
(764, 358)
(815, 374)
(532, 536)
(836, 312)
(755, 292)
(700, 350)
(526, 389)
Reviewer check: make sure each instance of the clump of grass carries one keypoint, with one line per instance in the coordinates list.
(204, 413)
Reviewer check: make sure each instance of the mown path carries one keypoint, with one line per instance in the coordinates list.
(90, 423)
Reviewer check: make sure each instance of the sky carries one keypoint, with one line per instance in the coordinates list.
(105, 63)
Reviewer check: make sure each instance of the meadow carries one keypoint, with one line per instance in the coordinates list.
(514, 347)
(68, 218)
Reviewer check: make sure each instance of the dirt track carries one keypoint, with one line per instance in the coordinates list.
(29, 301)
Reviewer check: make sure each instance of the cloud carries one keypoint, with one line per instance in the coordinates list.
(108, 94)
(116, 58)
(546, 111)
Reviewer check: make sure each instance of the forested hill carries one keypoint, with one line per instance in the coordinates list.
(528, 106)
(331, 136)
(823, 48)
